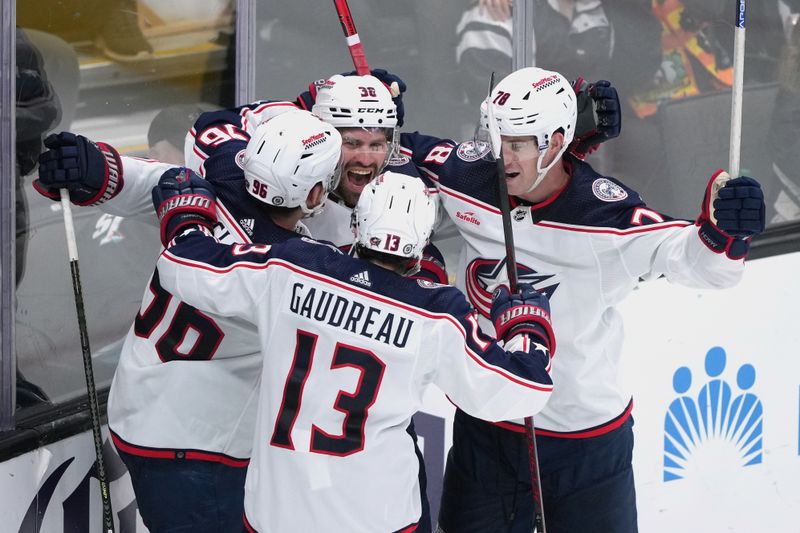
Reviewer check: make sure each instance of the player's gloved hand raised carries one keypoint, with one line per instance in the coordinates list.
(599, 115)
(733, 211)
(525, 312)
(91, 172)
(395, 85)
(183, 198)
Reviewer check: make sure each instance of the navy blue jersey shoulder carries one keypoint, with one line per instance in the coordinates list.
(591, 199)
(329, 261)
(402, 164)
(458, 166)
(225, 116)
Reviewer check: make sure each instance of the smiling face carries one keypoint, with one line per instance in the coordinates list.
(364, 153)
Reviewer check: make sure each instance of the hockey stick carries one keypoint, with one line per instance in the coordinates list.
(737, 86)
(351, 35)
(94, 409)
(511, 269)
(737, 89)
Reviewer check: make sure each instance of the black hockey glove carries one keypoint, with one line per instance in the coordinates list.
(525, 312)
(91, 172)
(599, 116)
(395, 85)
(183, 198)
(738, 215)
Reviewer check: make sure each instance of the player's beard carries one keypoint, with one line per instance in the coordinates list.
(354, 179)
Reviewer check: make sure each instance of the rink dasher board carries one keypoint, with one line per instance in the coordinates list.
(669, 329)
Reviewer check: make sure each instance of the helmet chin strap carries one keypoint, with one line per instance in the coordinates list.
(542, 172)
(309, 212)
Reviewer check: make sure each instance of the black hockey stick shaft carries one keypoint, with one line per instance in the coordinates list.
(351, 35)
(94, 407)
(511, 269)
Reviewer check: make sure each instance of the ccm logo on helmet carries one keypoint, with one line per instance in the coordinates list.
(184, 201)
(371, 110)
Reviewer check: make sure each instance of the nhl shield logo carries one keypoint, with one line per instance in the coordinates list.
(608, 191)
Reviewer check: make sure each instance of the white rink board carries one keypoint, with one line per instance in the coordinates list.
(668, 327)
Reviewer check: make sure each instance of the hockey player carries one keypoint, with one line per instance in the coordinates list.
(184, 430)
(95, 173)
(585, 240)
(349, 346)
(362, 108)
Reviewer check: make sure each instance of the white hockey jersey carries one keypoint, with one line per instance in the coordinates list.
(159, 404)
(587, 248)
(349, 349)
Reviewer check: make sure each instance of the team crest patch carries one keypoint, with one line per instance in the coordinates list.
(239, 159)
(608, 191)
(467, 151)
(398, 160)
(426, 284)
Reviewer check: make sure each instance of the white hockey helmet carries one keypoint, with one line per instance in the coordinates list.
(289, 154)
(530, 102)
(358, 102)
(395, 215)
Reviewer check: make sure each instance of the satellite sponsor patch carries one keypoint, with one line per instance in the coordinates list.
(608, 191)
(467, 151)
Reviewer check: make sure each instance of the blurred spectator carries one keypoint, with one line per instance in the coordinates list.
(167, 132)
(574, 37)
(37, 111)
(697, 60)
(783, 138)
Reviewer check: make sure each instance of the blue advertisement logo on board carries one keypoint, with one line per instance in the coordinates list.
(722, 422)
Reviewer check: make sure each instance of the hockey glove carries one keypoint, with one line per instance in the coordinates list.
(599, 116)
(732, 214)
(91, 172)
(525, 312)
(183, 198)
(395, 85)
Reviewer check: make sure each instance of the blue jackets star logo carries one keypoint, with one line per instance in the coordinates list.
(484, 275)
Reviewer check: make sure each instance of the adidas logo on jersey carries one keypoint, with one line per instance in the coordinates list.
(362, 278)
(247, 224)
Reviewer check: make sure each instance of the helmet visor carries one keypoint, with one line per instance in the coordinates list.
(521, 149)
